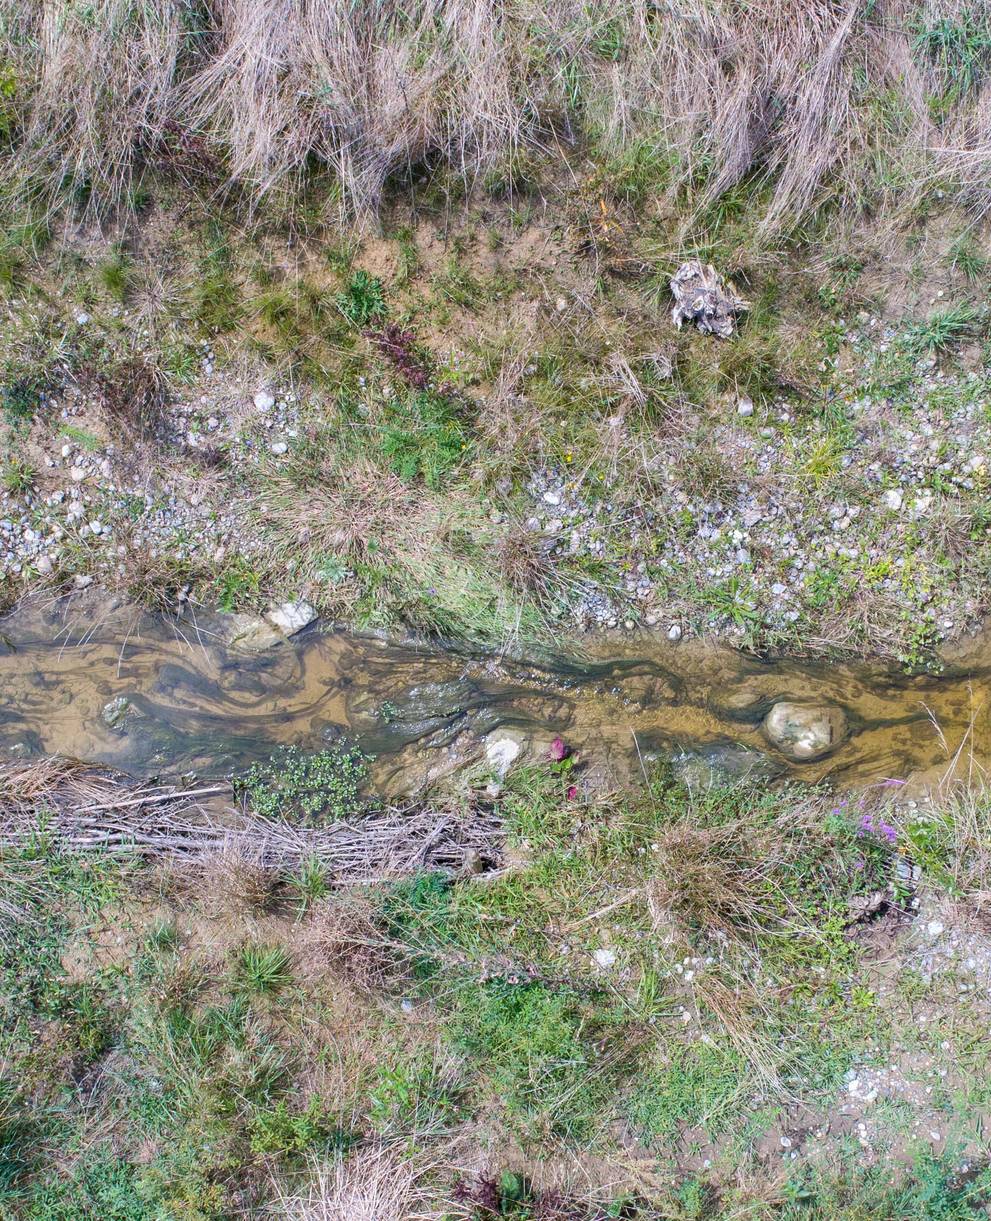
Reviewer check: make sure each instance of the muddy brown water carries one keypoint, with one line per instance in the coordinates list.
(191, 703)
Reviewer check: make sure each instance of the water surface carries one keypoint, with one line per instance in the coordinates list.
(193, 703)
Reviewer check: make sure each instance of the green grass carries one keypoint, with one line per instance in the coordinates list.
(231, 1067)
(262, 969)
(18, 476)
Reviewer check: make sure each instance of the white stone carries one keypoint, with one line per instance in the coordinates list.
(934, 928)
(278, 447)
(77, 474)
(552, 498)
(501, 752)
(604, 958)
(745, 406)
(892, 499)
(82, 317)
(43, 566)
(291, 617)
(264, 401)
(674, 632)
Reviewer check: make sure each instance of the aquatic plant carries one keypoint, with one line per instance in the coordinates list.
(308, 789)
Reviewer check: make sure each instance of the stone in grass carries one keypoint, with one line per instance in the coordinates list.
(502, 749)
(291, 617)
(702, 296)
(805, 732)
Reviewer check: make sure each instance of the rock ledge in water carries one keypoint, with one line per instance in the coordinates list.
(805, 732)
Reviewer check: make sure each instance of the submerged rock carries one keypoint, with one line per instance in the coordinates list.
(805, 732)
(702, 296)
(251, 632)
(115, 712)
(723, 763)
(291, 617)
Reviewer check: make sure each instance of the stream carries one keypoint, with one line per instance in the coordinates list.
(155, 696)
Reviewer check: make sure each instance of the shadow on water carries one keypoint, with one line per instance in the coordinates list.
(151, 695)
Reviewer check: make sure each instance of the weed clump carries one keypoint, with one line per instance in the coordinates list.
(362, 301)
(308, 790)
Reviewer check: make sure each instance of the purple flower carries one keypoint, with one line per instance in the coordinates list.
(884, 829)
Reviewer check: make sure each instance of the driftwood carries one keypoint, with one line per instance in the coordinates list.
(79, 809)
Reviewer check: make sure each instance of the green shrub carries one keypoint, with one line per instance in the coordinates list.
(312, 790)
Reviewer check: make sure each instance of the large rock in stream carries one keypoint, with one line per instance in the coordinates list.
(805, 732)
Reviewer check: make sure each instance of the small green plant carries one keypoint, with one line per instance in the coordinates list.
(292, 1135)
(19, 400)
(966, 258)
(237, 586)
(944, 329)
(115, 275)
(312, 789)
(363, 300)
(310, 882)
(19, 476)
(262, 969)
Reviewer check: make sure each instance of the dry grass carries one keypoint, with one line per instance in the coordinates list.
(376, 1183)
(798, 89)
(333, 507)
(343, 935)
(237, 880)
(725, 879)
(84, 809)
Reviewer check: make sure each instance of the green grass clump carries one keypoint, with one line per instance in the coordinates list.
(312, 790)
(19, 398)
(263, 969)
(18, 476)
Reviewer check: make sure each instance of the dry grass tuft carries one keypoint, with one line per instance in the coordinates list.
(233, 880)
(342, 936)
(708, 91)
(376, 1183)
(525, 563)
(332, 511)
(131, 395)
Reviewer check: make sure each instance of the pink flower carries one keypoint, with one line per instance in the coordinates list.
(557, 751)
(572, 793)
